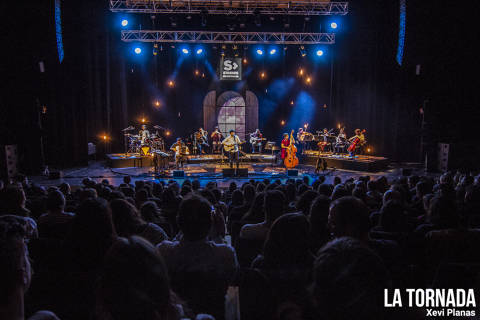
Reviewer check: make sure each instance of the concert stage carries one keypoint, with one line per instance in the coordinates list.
(363, 163)
(122, 160)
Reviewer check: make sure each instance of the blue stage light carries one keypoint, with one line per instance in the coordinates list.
(124, 22)
(138, 50)
(319, 53)
(259, 52)
(333, 25)
(199, 51)
(185, 51)
(273, 51)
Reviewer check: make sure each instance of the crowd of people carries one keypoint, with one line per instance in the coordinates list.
(265, 249)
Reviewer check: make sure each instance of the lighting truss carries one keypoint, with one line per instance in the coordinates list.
(305, 7)
(227, 37)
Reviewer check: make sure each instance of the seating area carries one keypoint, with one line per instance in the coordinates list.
(296, 249)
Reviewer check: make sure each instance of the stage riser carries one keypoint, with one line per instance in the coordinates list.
(347, 164)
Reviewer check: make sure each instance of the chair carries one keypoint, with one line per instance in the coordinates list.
(235, 230)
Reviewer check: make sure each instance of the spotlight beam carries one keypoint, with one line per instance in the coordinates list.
(227, 37)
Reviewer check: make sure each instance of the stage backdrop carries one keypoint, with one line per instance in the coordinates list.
(231, 111)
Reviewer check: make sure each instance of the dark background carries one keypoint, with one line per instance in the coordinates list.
(102, 87)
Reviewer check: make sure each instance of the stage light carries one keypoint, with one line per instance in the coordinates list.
(157, 103)
(155, 49)
(170, 83)
(245, 61)
(319, 53)
(124, 22)
(259, 52)
(273, 51)
(167, 133)
(263, 75)
(143, 120)
(339, 126)
(368, 150)
(203, 75)
(105, 137)
(308, 80)
(333, 25)
(303, 53)
(199, 51)
(282, 122)
(291, 103)
(305, 125)
(185, 51)
(138, 50)
(197, 72)
(300, 72)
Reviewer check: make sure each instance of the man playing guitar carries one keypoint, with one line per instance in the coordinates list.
(181, 150)
(256, 141)
(201, 140)
(230, 144)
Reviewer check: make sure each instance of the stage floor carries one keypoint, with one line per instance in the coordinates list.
(205, 172)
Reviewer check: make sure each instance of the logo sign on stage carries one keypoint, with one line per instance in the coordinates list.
(230, 69)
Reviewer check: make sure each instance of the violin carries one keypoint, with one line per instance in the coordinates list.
(291, 160)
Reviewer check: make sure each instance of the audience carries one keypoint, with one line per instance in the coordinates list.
(310, 249)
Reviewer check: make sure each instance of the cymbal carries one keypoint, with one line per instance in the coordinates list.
(129, 128)
(158, 127)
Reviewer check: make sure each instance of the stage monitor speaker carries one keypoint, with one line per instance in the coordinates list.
(178, 173)
(443, 151)
(54, 175)
(8, 161)
(230, 172)
(292, 173)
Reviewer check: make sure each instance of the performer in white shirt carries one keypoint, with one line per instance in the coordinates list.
(230, 145)
(181, 150)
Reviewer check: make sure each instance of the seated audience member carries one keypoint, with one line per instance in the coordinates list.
(442, 214)
(274, 206)
(319, 233)
(134, 284)
(15, 273)
(127, 182)
(237, 212)
(256, 212)
(13, 201)
(305, 200)
(282, 253)
(56, 222)
(339, 191)
(349, 282)
(392, 217)
(169, 207)
(193, 260)
(128, 222)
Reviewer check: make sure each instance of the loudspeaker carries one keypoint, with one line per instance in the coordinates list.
(230, 172)
(54, 175)
(292, 173)
(178, 173)
(443, 150)
(8, 161)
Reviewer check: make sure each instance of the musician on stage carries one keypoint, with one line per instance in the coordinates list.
(201, 140)
(144, 134)
(285, 144)
(359, 140)
(340, 142)
(256, 141)
(230, 144)
(301, 139)
(216, 140)
(181, 151)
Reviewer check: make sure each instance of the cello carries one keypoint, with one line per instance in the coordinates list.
(355, 142)
(291, 160)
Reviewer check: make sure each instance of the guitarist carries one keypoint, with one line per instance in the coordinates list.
(230, 144)
(256, 141)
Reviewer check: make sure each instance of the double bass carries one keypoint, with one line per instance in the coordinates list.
(291, 160)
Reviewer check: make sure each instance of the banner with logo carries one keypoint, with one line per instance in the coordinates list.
(230, 69)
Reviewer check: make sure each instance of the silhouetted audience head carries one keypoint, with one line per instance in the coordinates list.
(349, 281)
(274, 205)
(305, 200)
(393, 217)
(55, 201)
(195, 217)
(134, 284)
(349, 217)
(442, 213)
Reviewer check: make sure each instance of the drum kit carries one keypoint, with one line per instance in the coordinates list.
(143, 143)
